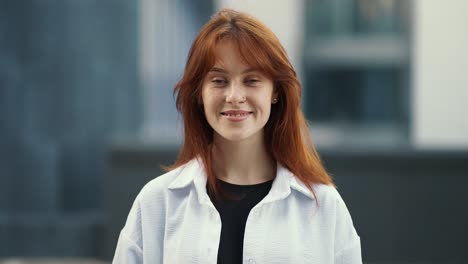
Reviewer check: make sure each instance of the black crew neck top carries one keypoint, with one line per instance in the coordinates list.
(234, 215)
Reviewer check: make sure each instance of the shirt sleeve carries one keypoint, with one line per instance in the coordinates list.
(129, 248)
(127, 251)
(347, 241)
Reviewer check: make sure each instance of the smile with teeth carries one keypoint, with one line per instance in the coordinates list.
(233, 114)
(236, 116)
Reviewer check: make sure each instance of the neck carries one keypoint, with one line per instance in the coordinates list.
(244, 162)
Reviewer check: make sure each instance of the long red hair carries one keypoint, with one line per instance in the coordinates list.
(286, 133)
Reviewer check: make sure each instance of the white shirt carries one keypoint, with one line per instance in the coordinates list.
(174, 221)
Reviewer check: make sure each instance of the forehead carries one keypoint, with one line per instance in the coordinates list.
(230, 54)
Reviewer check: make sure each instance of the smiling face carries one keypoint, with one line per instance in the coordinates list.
(236, 98)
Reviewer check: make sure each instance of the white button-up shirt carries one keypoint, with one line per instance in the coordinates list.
(174, 221)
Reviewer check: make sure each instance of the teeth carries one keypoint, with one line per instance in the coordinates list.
(235, 115)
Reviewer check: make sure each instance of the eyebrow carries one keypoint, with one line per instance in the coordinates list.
(216, 69)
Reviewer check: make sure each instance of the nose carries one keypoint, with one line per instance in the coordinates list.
(235, 93)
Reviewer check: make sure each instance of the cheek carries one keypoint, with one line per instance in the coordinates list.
(267, 110)
(266, 102)
(211, 104)
(205, 98)
(212, 99)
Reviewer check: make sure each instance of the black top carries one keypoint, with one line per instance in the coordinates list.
(234, 215)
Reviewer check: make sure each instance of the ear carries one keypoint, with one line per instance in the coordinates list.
(274, 97)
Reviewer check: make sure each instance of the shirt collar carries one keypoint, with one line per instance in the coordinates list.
(187, 173)
(194, 172)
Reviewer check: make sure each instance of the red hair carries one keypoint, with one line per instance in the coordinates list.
(286, 133)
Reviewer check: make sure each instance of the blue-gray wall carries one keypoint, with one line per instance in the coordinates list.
(68, 84)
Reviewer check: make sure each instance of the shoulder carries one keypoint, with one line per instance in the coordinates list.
(158, 188)
(335, 217)
(322, 192)
(325, 196)
(329, 199)
(326, 192)
(332, 205)
(150, 204)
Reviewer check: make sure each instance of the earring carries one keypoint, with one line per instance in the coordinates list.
(275, 100)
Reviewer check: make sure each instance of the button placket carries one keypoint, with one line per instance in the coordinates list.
(214, 231)
(252, 240)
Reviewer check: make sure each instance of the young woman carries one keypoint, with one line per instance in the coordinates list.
(248, 185)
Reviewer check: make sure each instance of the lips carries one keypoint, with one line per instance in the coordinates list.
(236, 115)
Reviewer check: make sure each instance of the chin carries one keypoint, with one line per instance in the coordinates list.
(234, 137)
(238, 136)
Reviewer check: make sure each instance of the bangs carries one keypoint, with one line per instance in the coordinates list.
(253, 52)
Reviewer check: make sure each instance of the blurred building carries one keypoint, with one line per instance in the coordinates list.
(88, 115)
(68, 83)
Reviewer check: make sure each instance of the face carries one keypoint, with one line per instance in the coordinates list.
(236, 98)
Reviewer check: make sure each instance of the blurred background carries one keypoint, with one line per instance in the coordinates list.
(87, 116)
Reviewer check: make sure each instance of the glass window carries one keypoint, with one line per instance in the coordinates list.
(356, 71)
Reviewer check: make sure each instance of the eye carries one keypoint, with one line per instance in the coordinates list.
(252, 81)
(219, 81)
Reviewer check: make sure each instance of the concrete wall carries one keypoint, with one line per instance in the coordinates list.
(439, 70)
